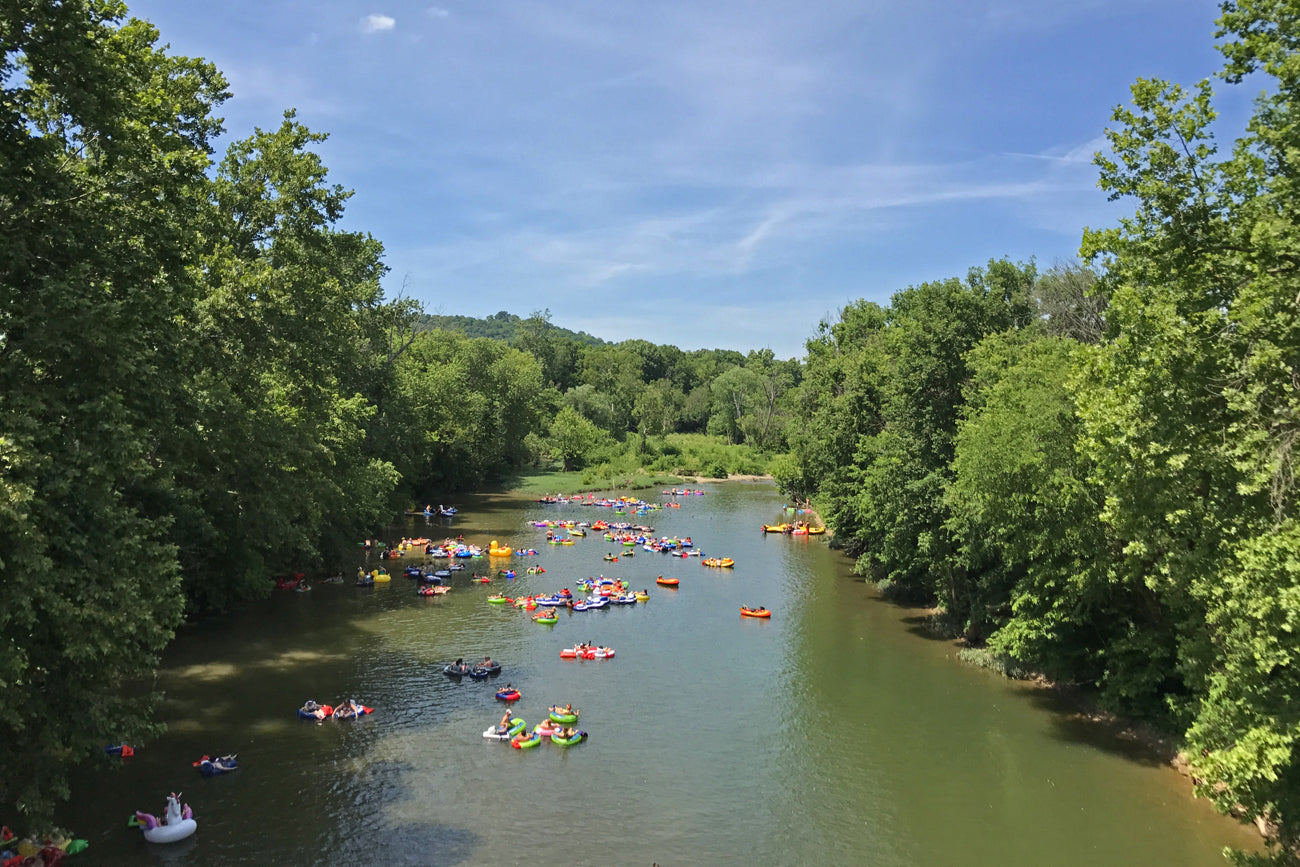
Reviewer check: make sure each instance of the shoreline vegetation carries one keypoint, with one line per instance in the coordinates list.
(555, 481)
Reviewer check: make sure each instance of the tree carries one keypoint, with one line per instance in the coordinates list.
(1025, 516)
(272, 465)
(657, 409)
(104, 141)
(1069, 303)
(1190, 408)
(572, 437)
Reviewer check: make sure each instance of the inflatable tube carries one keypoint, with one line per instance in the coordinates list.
(547, 619)
(484, 671)
(547, 728)
(578, 737)
(454, 670)
(667, 582)
(177, 824)
(525, 742)
(210, 767)
(342, 712)
(754, 612)
(494, 733)
(313, 711)
(562, 716)
(171, 833)
(508, 695)
(499, 600)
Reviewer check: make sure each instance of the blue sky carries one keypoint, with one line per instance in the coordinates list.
(707, 174)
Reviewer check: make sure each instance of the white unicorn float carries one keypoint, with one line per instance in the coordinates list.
(177, 824)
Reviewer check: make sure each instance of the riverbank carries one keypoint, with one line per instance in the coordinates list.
(540, 482)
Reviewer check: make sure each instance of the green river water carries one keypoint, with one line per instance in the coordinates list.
(833, 734)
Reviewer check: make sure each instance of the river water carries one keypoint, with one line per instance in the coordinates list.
(835, 733)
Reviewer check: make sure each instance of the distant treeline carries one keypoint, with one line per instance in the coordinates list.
(499, 326)
(1092, 472)
(202, 384)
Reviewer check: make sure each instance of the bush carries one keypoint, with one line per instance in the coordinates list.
(717, 471)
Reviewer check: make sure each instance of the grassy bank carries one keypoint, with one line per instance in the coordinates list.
(635, 465)
(554, 480)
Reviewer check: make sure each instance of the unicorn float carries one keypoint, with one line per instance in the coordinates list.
(177, 824)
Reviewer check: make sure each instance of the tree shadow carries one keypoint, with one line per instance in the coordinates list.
(1076, 719)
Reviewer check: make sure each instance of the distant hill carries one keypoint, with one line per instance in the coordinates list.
(499, 326)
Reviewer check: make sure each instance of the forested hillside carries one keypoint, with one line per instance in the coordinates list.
(502, 326)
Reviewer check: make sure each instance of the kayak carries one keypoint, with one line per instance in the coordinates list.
(667, 582)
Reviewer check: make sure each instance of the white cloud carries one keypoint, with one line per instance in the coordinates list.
(375, 23)
(438, 12)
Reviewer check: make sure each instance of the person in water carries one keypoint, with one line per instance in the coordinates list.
(504, 725)
(486, 663)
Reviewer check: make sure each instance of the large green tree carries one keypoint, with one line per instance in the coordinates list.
(1191, 409)
(272, 463)
(104, 142)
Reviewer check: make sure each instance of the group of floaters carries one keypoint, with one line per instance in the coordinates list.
(587, 650)
(798, 528)
(478, 670)
(618, 504)
(47, 849)
(177, 822)
(601, 591)
(348, 709)
(558, 727)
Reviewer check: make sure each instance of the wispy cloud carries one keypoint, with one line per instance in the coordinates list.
(376, 23)
(700, 155)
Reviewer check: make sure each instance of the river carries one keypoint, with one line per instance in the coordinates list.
(833, 734)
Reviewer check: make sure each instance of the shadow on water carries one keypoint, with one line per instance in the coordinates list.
(1073, 713)
(1075, 719)
(366, 838)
